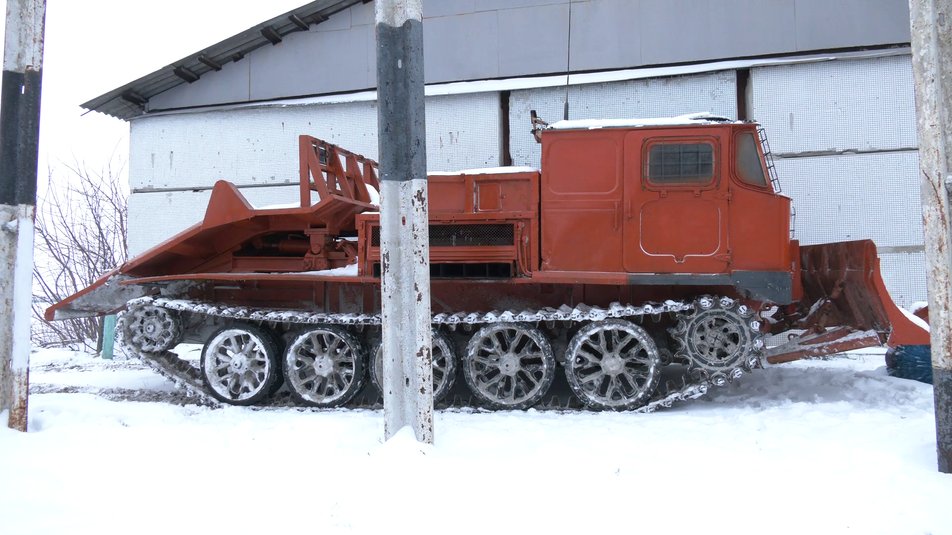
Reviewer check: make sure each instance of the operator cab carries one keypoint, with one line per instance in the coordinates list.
(687, 196)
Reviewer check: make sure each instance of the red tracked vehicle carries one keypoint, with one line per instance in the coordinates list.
(647, 260)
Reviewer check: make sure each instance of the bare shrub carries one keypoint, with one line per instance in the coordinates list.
(80, 235)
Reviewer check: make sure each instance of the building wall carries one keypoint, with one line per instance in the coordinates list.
(487, 39)
(175, 159)
(844, 133)
(656, 97)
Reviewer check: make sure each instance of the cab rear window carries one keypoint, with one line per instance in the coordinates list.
(680, 163)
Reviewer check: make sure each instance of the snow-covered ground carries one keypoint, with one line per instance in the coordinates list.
(819, 447)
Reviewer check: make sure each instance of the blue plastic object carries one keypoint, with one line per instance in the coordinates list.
(910, 362)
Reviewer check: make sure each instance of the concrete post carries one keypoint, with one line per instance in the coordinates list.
(404, 227)
(19, 136)
(931, 25)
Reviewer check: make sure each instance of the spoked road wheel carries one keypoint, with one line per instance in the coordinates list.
(613, 364)
(150, 329)
(324, 367)
(509, 365)
(240, 365)
(444, 367)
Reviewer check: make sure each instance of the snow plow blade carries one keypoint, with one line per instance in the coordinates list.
(845, 305)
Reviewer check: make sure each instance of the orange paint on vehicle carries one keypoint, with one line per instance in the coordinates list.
(626, 214)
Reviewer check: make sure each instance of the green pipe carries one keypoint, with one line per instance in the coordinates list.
(108, 336)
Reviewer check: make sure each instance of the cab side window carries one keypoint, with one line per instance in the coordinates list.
(749, 168)
(680, 163)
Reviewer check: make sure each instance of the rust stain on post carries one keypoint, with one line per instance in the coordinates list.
(19, 409)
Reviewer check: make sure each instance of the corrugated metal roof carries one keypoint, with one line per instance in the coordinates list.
(129, 100)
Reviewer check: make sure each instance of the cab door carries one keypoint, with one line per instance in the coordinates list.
(676, 203)
(582, 189)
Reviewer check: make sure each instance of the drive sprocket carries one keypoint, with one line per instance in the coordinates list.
(720, 339)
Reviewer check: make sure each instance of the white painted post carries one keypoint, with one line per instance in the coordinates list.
(931, 25)
(19, 136)
(404, 221)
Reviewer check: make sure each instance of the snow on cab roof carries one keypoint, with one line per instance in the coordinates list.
(689, 119)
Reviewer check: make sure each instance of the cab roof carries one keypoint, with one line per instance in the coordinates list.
(692, 119)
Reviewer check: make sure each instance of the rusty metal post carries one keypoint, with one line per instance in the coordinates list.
(931, 25)
(404, 234)
(19, 137)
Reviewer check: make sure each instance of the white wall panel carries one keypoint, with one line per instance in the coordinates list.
(260, 145)
(853, 197)
(837, 105)
(658, 97)
(463, 131)
(155, 217)
(862, 104)
(862, 196)
(244, 146)
(849, 105)
(905, 276)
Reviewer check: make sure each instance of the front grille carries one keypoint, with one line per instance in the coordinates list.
(463, 235)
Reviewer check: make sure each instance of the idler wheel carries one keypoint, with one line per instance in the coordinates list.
(150, 329)
(612, 364)
(324, 367)
(444, 367)
(509, 365)
(240, 365)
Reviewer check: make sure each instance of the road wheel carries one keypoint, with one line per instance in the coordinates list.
(324, 367)
(444, 367)
(612, 364)
(239, 364)
(509, 365)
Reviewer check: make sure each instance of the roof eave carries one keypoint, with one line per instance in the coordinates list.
(129, 101)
